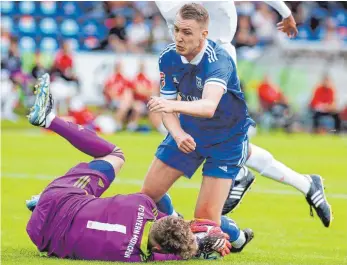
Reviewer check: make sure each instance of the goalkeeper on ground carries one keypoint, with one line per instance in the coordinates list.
(69, 220)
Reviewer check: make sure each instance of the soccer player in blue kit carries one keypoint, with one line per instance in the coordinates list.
(213, 117)
(222, 28)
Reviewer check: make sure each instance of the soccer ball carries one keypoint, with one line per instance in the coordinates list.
(210, 255)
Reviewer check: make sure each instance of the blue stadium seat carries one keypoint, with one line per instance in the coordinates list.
(48, 27)
(89, 43)
(94, 28)
(71, 9)
(319, 13)
(49, 44)
(27, 44)
(27, 25)
(27, 7)
(48, 8)
(5, 45)
(7, 23)
(320, 32)
(8, 7)
(340, 16)
(305, 33)
(69, 28)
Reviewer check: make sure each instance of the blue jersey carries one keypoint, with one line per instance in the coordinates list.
(213, 65)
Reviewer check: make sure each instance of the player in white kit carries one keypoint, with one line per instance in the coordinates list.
(222, 28)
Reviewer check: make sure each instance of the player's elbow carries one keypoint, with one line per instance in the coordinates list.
(209, 110)
(209, 113)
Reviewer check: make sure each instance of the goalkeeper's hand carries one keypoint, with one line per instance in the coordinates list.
(215, 240)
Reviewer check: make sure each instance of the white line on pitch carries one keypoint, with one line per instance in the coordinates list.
(183, 185)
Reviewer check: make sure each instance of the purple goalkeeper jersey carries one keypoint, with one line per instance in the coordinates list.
(70, 221)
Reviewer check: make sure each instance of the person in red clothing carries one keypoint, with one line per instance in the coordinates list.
(63, 64)
(143, 90)
(118, 92)
(323, 104)
(270, 95)
(275, 104)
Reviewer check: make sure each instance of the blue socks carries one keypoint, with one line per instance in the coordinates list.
(165, 205)
(229, 227)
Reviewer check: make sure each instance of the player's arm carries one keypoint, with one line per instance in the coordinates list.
(288, 24)
(203, 108)
(168, 92)
(218, 74)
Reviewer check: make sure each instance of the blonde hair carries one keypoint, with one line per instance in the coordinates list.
(174, 236)
(195, 12)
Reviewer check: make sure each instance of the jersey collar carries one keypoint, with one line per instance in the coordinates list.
(197, 59)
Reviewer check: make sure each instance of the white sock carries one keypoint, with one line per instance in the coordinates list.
(50, 117)
(239, 241)
(174, 213)
(264, 163)
(243, 172)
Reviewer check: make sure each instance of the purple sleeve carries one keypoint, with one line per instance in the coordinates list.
(164, 257)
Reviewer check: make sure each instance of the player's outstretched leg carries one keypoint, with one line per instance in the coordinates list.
(263, 162)
(317, 200)
(85, 140)
(243, 183)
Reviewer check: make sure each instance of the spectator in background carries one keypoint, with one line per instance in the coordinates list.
(63, 65)
(12, 64)
(147, 8)
(143, 89)
(138, 34)
(38, 69)
(330, 33)
(9, 97)
(160, 36)
(245, 34)
(270, 95)
(275, 105)
(119, 95)
(117, 37)
(65, 84)
(323, 104)
(264, 23)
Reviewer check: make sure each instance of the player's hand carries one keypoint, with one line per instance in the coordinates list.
(215, 240)
(185, 142)
(158, 104)
(288, 26)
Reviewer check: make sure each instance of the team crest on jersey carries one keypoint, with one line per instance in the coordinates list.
(162, 79)
(174, 79)
(199, 83)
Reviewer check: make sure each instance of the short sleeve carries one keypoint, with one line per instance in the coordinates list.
(219, 72)
(167, 88)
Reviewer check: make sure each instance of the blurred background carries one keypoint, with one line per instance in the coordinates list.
(102, 57)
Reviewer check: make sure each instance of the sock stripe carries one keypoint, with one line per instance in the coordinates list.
(238, 188)
(235, 192)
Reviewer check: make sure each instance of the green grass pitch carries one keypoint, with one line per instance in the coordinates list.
(279, 215)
